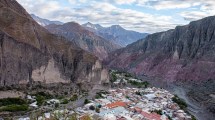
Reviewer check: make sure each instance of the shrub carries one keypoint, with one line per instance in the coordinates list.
(128, 75)
(157, 111)
(65, 101)
(92, 107)
(97, 110)
(56, 105)
(99, 106)
(74, 97)
(40, 99)
(138, 93)
(113, 77)
(86, 101)
(99, 95)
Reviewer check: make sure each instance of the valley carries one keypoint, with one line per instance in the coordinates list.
(106, 61)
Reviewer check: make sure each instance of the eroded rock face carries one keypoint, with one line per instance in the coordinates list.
(29, 53)
(83, 38)
(185, 53)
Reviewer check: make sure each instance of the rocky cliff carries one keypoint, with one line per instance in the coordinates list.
(83, 38)
(29, 53)
(185, 53)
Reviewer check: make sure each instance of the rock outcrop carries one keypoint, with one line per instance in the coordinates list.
(29, 53)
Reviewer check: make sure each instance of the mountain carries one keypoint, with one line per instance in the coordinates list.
(187, 53)
(31, 55)
(184, 55)
(115, 33)
(45, 22)
(83, 38)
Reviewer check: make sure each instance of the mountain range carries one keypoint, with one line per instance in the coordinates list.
(115, 33)
(83, 38)
(31, 55)
(184, 53)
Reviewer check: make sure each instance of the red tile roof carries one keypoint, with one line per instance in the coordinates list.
(116, 104)
(151, 116)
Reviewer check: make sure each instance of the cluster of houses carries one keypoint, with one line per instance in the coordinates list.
(134, 104)
(129, 104)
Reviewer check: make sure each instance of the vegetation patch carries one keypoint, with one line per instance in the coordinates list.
(64, 101)
(113, 77)
(86, 101)
(139, 84)
(13, 105)
(41, 97)
(14, 108)
(10, 101)
(182, 104)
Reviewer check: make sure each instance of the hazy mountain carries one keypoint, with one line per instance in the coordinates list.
(83, 38)
(30, 55)
(45, 22)
(115, 33)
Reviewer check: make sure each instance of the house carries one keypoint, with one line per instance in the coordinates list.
(116, 104)
(109, 117)
(118, 111)
(151, 116)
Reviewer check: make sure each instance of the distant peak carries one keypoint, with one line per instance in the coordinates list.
(91, 25)
(117, 27)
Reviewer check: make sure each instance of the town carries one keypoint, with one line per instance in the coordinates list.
(126, 103)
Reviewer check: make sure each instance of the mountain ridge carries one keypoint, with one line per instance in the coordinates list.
(44, 22)
(84, 38)
(115, 33)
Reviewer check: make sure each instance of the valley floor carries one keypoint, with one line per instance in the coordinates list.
(129, 98)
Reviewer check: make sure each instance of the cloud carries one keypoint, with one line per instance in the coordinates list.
(207, 8)
(193, 15)
(125, 1)
(103, 13)
(110, 12)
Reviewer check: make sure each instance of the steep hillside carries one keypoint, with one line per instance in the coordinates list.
(30, 54)
(115, 33)
(84, 39)
(44, 22)
(185, 53)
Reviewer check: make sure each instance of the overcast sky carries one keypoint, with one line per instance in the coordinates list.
(140, 15)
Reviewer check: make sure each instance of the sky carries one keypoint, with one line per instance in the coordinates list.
(147, 16)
